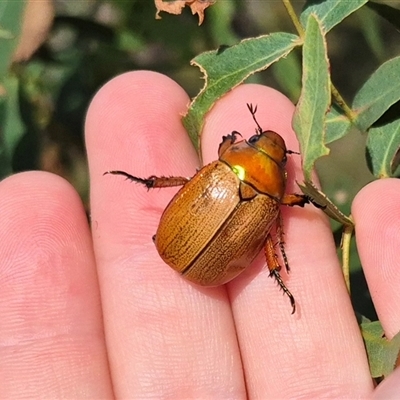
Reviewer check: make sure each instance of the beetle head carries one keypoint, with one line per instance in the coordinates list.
(271, 144)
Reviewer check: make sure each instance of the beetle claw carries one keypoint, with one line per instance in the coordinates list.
(292, 302)
(227, 141)
(315, 204)
(149, 182)
(231, 137)
(275, 273)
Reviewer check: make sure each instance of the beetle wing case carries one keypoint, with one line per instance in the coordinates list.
(208, 233)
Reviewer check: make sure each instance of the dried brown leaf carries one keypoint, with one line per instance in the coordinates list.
(176, 6)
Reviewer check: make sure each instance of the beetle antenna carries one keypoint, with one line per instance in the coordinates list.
(292, 152)
(253, 111)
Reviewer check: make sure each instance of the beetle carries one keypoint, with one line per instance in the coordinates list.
(222, 217)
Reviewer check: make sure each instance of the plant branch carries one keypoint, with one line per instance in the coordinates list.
(293, 17)
(341, 103)
(345, 245)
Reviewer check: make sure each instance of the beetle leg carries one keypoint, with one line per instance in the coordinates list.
(295, 200)
(153, 181)
(274, 268)
(227, 141)
(299, 200)
(281, 242)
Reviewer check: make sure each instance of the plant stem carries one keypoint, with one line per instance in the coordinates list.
(293, 16)
(342, 104)
(300, 30)
(345, 245)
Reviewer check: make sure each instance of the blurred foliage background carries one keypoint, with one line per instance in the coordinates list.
(44, 95)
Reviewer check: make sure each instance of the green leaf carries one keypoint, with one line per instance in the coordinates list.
(391, 14)
(11, 126)
(382, 353)
(321, 200)
(330, 12)
(220, 17)
(309, 117)
(5, 34)
(287, 72)
(337, 124)
(380, 91)
(370, 25)
(383, 144)
(228, 67)
(10, 25)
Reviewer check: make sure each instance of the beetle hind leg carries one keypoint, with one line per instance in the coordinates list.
(281, 242)
(153, 181)
(274, 268)
(275, 273)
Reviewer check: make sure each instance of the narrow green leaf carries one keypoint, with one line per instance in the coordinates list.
(309, 117)
(337, 125)
(228, 67)
(330, 12)
(287, 72)
(370, 24)
(10, 25)
(322, 201)
(391, 14)
(380, 91)
(383, 144)
(219, 19)
(11, 126)
(4, 34)
(382, 353)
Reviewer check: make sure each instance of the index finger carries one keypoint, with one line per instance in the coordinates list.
(165, 337)
(317, 350)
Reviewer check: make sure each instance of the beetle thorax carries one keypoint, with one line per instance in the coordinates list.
(260, 162)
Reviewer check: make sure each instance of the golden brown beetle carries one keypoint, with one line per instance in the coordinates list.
(217, 223)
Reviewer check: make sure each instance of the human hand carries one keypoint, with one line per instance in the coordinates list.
(153, 334)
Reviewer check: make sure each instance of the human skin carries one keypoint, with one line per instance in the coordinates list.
(97, 314)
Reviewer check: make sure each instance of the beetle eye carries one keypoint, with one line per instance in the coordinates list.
(284, 160)
(254, 139)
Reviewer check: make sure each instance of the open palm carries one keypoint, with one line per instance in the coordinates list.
(97, 314)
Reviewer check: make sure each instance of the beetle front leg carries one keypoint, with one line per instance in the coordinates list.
(299, 200)
(227, 141)
(274, 268)
(295, 200)
(153, 181)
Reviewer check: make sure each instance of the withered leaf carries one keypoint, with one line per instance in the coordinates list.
(176, 6)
